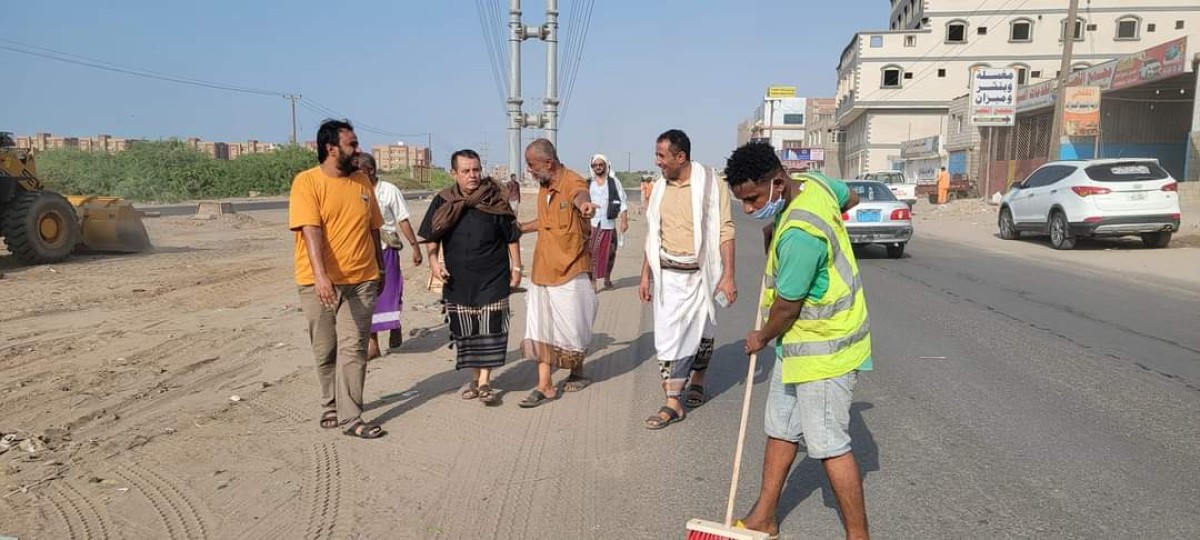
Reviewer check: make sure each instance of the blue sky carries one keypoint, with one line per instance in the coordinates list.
(410, 67)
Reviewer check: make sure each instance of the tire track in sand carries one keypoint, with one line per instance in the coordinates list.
(82, 520)
(323, 492)
(175, 509)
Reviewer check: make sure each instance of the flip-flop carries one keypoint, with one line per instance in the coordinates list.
(692, 400)
(488, 396)
(329, 419)
(363, 430)
(658, 422)
(534, 399)
(470, 391)
(740, 525)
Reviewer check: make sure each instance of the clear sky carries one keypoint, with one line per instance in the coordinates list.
(411, 67)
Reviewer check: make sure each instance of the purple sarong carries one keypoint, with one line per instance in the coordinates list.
(391, 298)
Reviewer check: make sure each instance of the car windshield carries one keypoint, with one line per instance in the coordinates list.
(1127, 171)
(872, 191)
(885, 177)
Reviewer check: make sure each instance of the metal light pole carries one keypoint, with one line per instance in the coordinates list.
(1064, 73)
(515, 36)
(550, 104)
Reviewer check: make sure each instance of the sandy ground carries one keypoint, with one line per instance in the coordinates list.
(118, 377)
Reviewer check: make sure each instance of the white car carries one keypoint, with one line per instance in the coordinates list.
(1069, 200)
(879, 218)
(896, 181)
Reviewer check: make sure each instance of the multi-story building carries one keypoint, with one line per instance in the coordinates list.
(820, 130)
(778, 119)
(896, 85)
(392, 157)
(100, 143)
(252, 146)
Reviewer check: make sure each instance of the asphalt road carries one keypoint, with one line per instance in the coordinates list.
(187, 209)
(1009, 400)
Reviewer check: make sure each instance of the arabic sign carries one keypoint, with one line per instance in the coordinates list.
(781, 91)
(993, 96)
(1160, 62)
(1081, 111)
(919, 147)
(1166, 60)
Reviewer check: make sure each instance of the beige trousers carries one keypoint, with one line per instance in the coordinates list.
(339, 344)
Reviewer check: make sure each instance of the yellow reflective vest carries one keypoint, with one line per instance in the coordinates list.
(832, 335)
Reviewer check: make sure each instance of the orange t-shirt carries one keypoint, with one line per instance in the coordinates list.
(561, 252)
(346, 211)
(647, 188)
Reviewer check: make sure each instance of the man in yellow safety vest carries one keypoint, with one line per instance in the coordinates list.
(814, 307)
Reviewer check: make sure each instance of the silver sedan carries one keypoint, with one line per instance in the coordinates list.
(879, 218)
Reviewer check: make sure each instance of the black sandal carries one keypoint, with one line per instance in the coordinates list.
(470, 391)
(658, 422)
(575, 383)
(534, 399)
(364, 430)
(487, 396)
(695, 396)
(329, 419)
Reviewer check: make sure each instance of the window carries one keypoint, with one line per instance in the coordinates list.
(891, 77)
(791, 143)
(876, 42)
(1179, 25)
(1127, 27)
(1151, 27)
(1036, 74)
(1047, 175)
(941, 72)
(910, 41)
(908, 75)
(838, 136)
(1080, 24)
(956, 32)
(1022, 73)
(793, 119)
(982, 30)
(1021, 31)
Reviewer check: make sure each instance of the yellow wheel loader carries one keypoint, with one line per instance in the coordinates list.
(41, 226)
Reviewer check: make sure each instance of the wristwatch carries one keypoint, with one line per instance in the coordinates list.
(517, 269)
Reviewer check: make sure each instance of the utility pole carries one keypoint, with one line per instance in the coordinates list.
(1064, 73)
(293, 98)
(516, 34)
(550, 103)
(517, 119)
(628, 161)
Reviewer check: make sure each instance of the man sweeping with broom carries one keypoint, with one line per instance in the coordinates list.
(816, 310)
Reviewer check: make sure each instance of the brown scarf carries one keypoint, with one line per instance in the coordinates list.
(488, 198)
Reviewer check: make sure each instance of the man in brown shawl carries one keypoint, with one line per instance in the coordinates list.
(472, 238)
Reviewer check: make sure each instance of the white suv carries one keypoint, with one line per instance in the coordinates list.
(1092, 198)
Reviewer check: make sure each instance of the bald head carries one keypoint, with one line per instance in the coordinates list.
(542, 149)
(366, 164)
(542, 160)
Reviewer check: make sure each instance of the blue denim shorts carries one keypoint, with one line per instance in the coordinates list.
(815, 414)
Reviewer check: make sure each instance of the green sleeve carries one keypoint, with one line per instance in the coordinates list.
(841, 191)
(800, 258)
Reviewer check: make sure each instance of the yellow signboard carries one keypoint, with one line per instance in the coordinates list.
(781, 91)
(1081, 111)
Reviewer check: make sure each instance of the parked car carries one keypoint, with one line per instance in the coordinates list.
(900, 185)
(879, 218)
(1068, 200)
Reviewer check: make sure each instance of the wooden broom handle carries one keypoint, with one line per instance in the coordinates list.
(741, 441)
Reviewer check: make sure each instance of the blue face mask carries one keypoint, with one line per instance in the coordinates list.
(769, 210)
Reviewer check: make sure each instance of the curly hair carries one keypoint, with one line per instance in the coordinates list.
(751, 162)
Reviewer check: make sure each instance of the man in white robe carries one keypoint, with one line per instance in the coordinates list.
(688, 270)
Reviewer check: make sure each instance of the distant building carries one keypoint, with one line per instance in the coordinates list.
(393, 157)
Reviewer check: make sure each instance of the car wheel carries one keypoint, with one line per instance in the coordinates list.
(895, 251)
(1156, 240)
(1060, 232)
(1008, 229)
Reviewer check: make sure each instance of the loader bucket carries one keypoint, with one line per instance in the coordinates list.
(110, 224)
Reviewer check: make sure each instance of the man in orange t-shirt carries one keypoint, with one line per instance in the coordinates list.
(336, 220)
(561, 300)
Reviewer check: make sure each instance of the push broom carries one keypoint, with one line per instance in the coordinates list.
(699, 529)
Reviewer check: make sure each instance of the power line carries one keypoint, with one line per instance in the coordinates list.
(94, 63)
(587, 24)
